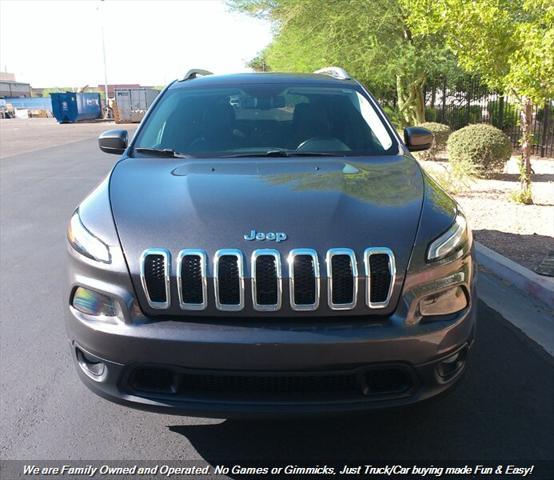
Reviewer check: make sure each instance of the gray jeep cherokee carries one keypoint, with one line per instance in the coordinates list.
(266, 244)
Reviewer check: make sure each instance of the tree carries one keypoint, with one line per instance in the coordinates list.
(510, 44)
(374, 41)
(259, 62)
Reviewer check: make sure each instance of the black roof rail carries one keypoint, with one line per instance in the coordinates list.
(335, 72)
(194, 73)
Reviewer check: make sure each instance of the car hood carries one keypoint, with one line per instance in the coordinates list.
(319, 203)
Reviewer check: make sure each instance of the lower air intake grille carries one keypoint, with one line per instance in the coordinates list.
(259, 386)
(380, 277)
(357, 384)
(155, 277)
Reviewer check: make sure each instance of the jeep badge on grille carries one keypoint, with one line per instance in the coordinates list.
(271, 236)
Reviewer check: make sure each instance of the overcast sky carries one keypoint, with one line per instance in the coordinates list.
(59, 43)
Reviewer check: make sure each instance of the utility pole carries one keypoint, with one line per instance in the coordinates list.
(106, 107)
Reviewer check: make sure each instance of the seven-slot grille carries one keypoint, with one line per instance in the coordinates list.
(267, 280)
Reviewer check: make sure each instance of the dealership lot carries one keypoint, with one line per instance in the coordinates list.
(502, 410)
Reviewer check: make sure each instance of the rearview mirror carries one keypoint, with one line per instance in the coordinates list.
(417, 138)
(113, 141)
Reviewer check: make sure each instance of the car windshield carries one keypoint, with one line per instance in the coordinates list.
(267, 119)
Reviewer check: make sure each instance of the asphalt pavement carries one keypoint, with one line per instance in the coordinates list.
(502, 410)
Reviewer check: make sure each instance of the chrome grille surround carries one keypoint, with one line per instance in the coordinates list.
(392, 270)
(167, 273)
(313, 254)
(201, 254)
(314, 271)
(229, 307)
(328, 259)
(279, 279)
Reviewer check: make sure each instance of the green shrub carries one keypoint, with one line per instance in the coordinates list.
(481, 150)
(440, 136)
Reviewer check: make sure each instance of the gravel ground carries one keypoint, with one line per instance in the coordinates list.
(523, 233)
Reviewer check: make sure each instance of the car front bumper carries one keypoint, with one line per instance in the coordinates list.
(249, 371)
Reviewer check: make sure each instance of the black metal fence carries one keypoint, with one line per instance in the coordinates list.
(472, 103)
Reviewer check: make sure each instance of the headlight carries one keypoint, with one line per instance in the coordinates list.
(450, 240)
(85, 242)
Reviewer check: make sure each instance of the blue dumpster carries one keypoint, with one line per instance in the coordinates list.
(72, 107)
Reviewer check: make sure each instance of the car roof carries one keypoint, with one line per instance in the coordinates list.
(237, 79)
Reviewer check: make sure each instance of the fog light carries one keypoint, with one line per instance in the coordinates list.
(94, 303)
(451, 365)
(443, 303)
(92, 367)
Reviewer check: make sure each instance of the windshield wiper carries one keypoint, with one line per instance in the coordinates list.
(313, 154)
(281, 153)
(162, 152)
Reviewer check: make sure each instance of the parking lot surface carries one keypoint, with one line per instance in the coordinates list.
(502, 410)
(19, 136)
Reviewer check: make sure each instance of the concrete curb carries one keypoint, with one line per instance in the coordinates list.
(537, 286)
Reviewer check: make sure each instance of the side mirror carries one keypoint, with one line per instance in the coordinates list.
(113, 141)
(417, 138)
